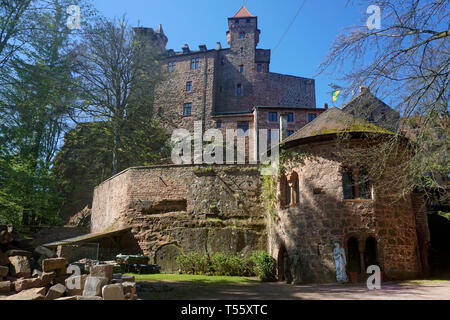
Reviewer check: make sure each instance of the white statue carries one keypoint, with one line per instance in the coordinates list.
(341, 262)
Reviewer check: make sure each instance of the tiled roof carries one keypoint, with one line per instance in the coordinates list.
(243, 13)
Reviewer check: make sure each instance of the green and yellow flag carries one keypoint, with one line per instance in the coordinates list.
(335, 95)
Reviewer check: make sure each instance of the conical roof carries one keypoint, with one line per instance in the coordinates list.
(243, 13)
(335, 121)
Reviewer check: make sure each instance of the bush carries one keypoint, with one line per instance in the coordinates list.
(260, 264)
(264, 265)
(193, 263)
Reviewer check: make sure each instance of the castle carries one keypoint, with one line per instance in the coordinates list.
(317, 199)
(231, 88)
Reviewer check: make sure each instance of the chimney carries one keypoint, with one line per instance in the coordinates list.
(202, 48)
(283, 127)
(219, 46)
(186, 49)
(325, 106)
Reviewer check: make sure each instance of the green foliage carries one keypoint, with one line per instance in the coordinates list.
(264, 265)
(260, 264)
(269, 194)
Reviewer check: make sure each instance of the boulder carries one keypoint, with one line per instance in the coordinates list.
(103, 271)
(16, 252)
(59, 265)
(30, 294)
(47, 278)
(75, 285)
(5, 286)
(129, 288)
(113, 292)
(94, 285)
(55, 292)
(20, 266)
(3, 272)
(43, 252)
(3, 259)
(25, 284)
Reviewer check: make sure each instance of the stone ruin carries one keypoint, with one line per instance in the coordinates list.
(37, 274)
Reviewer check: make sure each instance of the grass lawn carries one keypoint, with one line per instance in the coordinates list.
(184, 286)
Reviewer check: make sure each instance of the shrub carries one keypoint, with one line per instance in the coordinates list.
(193, 263)
(260, 264)
(264, 265)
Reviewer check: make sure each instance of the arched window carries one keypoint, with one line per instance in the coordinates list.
(285, 191)
(296, 188)
(364, 185)
(348, 184)
(371, 252)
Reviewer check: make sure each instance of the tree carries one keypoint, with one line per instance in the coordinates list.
(117, 72)
(407, 59)
(35, 105)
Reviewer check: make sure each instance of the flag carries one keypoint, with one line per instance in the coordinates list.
(335, 95)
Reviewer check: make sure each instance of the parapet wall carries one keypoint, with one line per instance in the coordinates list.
(183, 208)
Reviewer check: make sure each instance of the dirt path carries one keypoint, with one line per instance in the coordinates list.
(435, 290)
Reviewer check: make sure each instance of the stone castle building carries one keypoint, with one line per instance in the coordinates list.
(316, 199)
(231, 88)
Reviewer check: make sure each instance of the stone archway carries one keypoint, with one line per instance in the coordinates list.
(353, 254)
(283, 273)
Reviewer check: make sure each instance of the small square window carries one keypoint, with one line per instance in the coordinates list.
(311, 116)
(248, 20)
(187, 109)
(242, 35)
(273, 117)
(195, 63)
(188, 86)
(171, 67)
(290, 117)
(219, 124)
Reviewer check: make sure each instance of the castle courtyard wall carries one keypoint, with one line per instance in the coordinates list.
(174, 209)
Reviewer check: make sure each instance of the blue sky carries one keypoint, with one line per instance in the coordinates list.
(303, 48)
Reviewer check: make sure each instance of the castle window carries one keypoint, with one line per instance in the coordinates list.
(242, 50)
(195, 63)
(242, 35)
(296, 188)
(383, 116)
(290, 117)
(188, 86)
(269, 135)
(236, 21)
(241, 68)
(371, 117)
(171, 67)
(290, 132)
(285, 191)
(222, 61)
(187, 109)
(273, 117)
(311, 116)
(239, 89)
(347, 184)
(244, 126)
(219, 124)
(364, 184)
(248, 20)
(259, 67)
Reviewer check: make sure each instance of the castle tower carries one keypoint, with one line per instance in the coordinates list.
(243, 30)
